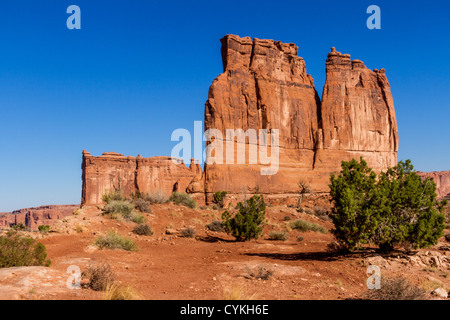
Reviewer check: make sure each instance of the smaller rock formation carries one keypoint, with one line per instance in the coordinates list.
(32, 218)
(113, 171)
(442, 180)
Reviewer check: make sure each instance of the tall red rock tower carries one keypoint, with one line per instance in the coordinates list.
(265, 86)
(358, 116)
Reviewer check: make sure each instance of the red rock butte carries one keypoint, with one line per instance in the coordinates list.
(265, 85)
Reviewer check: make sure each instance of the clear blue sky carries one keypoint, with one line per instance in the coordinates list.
(137, 70)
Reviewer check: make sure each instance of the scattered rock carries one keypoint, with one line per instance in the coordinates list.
(440, 292)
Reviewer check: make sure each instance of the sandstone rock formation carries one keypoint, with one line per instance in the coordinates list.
(32, 218)
(113, 171)
(358, 116)
(265, 86)
(442, 180)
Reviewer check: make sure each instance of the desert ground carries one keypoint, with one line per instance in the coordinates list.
(212, 265)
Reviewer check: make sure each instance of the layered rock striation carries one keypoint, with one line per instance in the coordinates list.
(32, 218)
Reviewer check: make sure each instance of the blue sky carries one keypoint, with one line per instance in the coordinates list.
(137, 70)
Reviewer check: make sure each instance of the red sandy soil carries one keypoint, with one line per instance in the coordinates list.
(205, 267)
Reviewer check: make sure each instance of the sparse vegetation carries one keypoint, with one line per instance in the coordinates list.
(236, 293)
(304, 189)
(17, 251)
(396, 289)
(44, 228)
(248, 221)
(259, 273)
(143, 230)
(184, 199)
(113, 240)
(216, 226)
(278, 235)
(19, 227)
(98, 277)
(142, 205)
(304, 226)
(79, 229)
(188, 233)
(122, 209)
(156, 197)
(321, 213)
(219, 198)
(116, 291)
(394, 208)
(115, 195)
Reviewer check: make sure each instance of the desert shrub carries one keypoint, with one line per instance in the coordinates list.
(304, 189)
(188, 233)
(143, 230)
(19, 227)
(219, 198)
(248, 221)
(115, 195)
(118, 209)
(259, 273)
(304, 226)
(113, 240)
(300, 239)
(408, 210)
(321, 213)
(116, 291)
(184, 199)
(393, 208)
(44, 228)
(278, 235)
(155, 197)
(216, 226)
(236, 292)
(98, 277)
(142, 205)
(287, 218)
(396, 289)
(18, 251)
(138, 218)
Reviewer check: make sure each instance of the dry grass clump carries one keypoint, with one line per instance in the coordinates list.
(278, 235)
(304, 226)
(113, 240)
(235, 292)
(396, 289)
(98, 277)
(116, 291)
